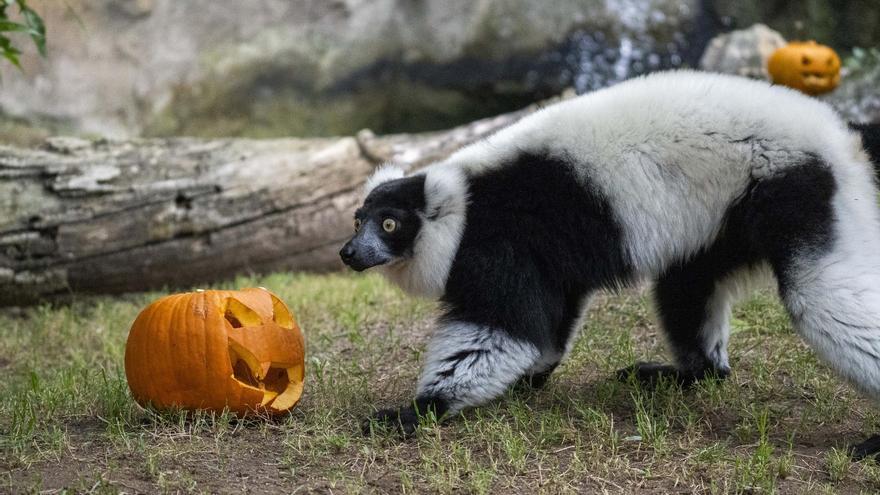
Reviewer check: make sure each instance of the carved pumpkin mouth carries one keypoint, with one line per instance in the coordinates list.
(820, 80)
(257, 367)
(276, 381)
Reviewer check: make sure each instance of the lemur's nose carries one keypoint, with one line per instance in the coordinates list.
(347, 252)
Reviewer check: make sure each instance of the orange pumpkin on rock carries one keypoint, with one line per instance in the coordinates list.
(807, 66)
(216, 349)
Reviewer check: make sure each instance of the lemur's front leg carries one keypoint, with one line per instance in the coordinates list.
(467, 365)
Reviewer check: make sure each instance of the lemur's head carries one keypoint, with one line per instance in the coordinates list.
(386, 226)
(411, 226)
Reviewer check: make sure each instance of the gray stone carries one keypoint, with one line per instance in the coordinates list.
(743, 53)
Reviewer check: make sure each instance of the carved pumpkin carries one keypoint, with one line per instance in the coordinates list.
(807, 66)
(215, 349)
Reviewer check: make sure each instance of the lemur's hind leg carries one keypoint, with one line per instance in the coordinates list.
(467, 365)
(693, 301)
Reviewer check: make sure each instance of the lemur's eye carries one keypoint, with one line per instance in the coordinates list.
(389, 224)
(357, 224)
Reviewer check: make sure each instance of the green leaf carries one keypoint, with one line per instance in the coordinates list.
(33, 26)
(9, 52)
(12, 26)
(37, 29)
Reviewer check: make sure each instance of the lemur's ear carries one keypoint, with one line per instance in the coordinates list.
(382, 174)
(445, 192)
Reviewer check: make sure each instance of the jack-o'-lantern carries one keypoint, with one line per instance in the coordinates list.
(216, 349)
(807, 66)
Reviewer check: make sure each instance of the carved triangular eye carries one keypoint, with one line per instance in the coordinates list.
(280, 314)
(238, 315)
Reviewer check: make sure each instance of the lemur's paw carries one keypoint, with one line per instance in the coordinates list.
(403, 421)
(649, 374)
(868, 448)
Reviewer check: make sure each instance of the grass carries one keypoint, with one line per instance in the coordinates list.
(780, 423)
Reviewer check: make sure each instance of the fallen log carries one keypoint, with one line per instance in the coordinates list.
(101, 216)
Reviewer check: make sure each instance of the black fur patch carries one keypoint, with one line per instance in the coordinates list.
(401, 200)
(536, 241)
(782, 219)
(407, 193)
(788, 218)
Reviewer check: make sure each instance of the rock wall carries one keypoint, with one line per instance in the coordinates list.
(273, 68)
(265, 68)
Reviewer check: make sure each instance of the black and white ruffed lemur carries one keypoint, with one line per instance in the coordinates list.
(696, 181)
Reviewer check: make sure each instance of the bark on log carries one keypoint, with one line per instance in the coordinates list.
(115, 216)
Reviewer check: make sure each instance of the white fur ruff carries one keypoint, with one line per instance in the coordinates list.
(426, 271)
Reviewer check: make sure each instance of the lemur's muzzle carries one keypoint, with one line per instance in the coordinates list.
(364, 250)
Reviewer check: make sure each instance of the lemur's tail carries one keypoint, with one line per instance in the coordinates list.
(871, 141)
